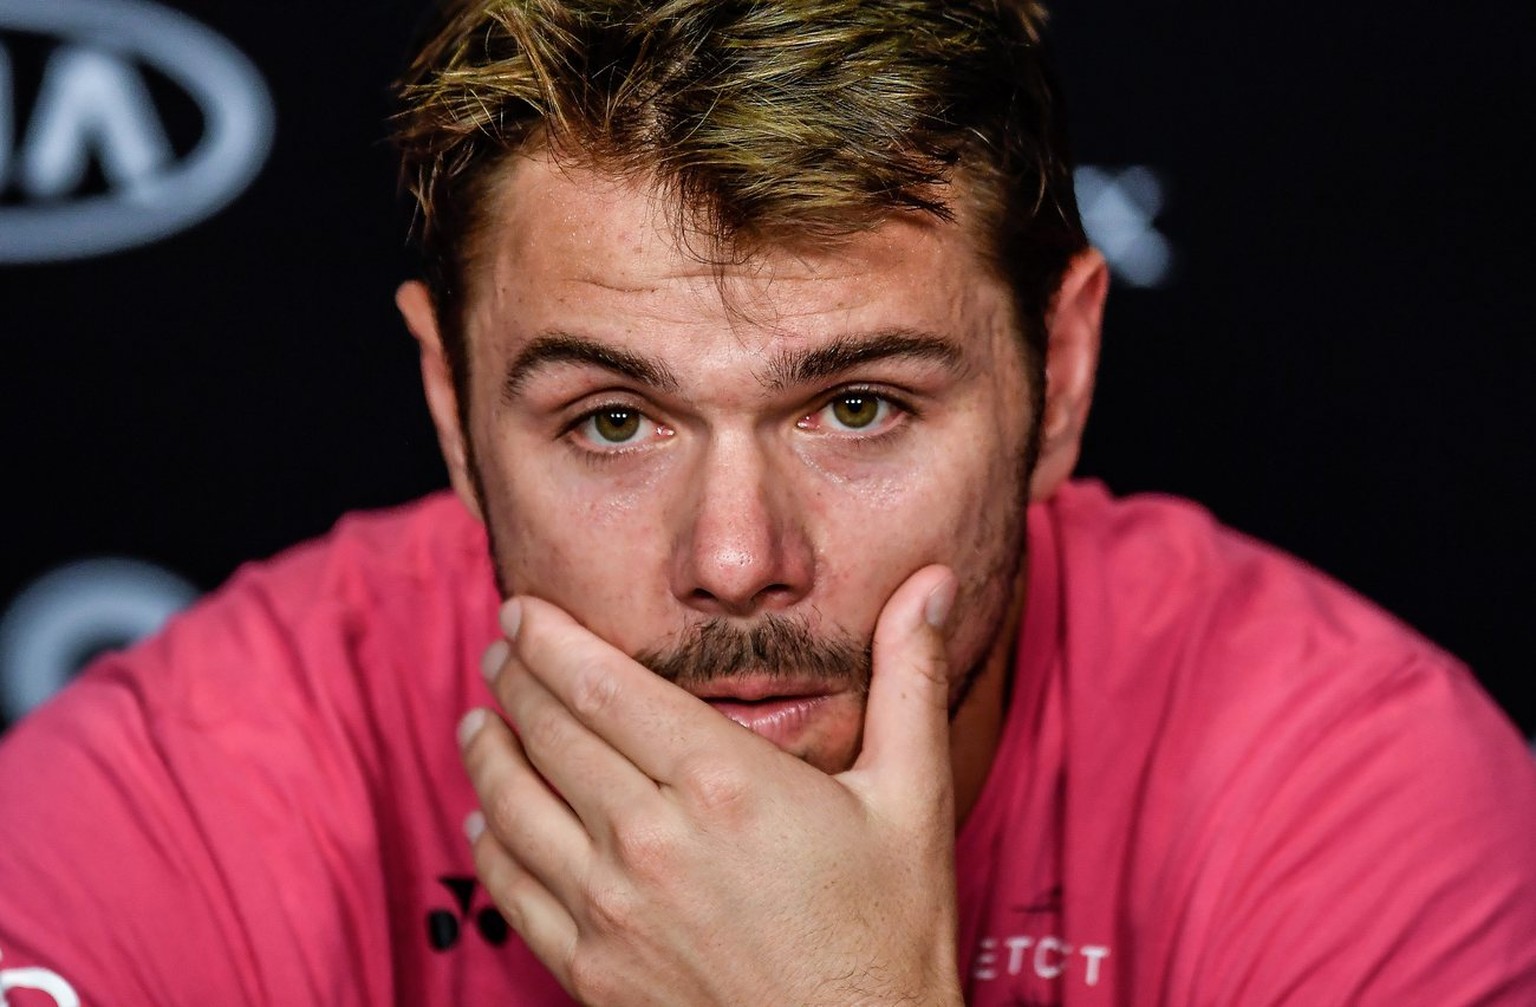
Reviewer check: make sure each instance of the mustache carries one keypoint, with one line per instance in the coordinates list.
(776, 647)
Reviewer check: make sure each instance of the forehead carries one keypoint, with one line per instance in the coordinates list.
(569, 245)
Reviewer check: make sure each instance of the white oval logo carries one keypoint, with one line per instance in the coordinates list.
(69, 615)
(43, 981)
(50, 984)
(94, 106)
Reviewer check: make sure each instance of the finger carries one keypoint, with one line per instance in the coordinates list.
(521, 812)
(662, 729)
(528, 906)
(906, 720)
(584, 769)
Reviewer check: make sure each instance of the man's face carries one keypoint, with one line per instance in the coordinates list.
(727, 470)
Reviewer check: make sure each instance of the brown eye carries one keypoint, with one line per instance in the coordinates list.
(615, 426)
(856, 411)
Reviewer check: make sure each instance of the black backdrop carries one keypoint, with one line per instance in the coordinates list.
(1336, 360)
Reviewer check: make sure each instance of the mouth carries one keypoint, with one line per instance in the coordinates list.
(773, 708)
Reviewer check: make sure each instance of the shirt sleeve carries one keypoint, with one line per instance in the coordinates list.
(150, 857)
(1390, 863)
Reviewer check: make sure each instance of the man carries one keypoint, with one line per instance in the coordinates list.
(760, 339)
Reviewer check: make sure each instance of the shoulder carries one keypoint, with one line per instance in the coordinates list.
(376, 620)
(1225, 651)
(1156, 581)
(224, 772)
(381, 592)
(420, 552)
(1295, 764)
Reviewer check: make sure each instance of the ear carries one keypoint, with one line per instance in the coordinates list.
(415, 305)
(1071, 359)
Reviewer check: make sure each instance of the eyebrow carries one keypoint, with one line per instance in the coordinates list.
(787, 369)
(563, 348)
(810, 366)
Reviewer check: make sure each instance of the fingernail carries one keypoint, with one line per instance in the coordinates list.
(511, 618)
(470, 726)
(494, 657)
(940, 600)
(474, 825)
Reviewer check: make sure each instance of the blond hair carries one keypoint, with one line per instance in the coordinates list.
(769, 121)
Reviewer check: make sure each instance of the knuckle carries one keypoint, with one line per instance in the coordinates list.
(613, 908)
(641, 845)
(510, 896)
(502, 810)
(546, 732)
(528, 640)
(718, 788)
(927, 667)
(592, 981)
(936, 671)
(480, 749)
(540, 638)
(593, 690)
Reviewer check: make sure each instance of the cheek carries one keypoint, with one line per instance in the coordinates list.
(594, 547)
(989, 559)
(956, 506)
(961, 504)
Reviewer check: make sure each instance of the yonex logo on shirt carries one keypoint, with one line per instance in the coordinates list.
(445, 927)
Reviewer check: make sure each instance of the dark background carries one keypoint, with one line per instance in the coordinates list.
(1340, 362)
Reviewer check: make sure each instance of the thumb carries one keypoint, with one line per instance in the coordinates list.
(906, 719)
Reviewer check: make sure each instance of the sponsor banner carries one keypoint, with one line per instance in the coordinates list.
(68, 616)
(94, 106)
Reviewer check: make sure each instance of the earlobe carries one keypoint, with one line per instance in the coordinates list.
(1072, 359)
(415, 304)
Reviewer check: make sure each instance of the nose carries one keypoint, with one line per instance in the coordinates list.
(742, 546)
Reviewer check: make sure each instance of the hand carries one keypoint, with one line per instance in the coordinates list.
(651, 851)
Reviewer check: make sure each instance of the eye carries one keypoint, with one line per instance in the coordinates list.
(857, 411)
(616, 426)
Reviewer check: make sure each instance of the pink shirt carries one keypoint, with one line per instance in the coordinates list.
(1224, 780)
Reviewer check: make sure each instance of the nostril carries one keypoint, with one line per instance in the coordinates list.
(770, 597)
(775, 592)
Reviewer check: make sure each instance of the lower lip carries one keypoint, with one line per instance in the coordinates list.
(778, 720)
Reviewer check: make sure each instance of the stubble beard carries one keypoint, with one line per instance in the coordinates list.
(712, 653)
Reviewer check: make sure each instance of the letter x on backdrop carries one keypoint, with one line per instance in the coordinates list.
(1321, 228)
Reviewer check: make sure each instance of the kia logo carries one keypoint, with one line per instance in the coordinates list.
(94, 106)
